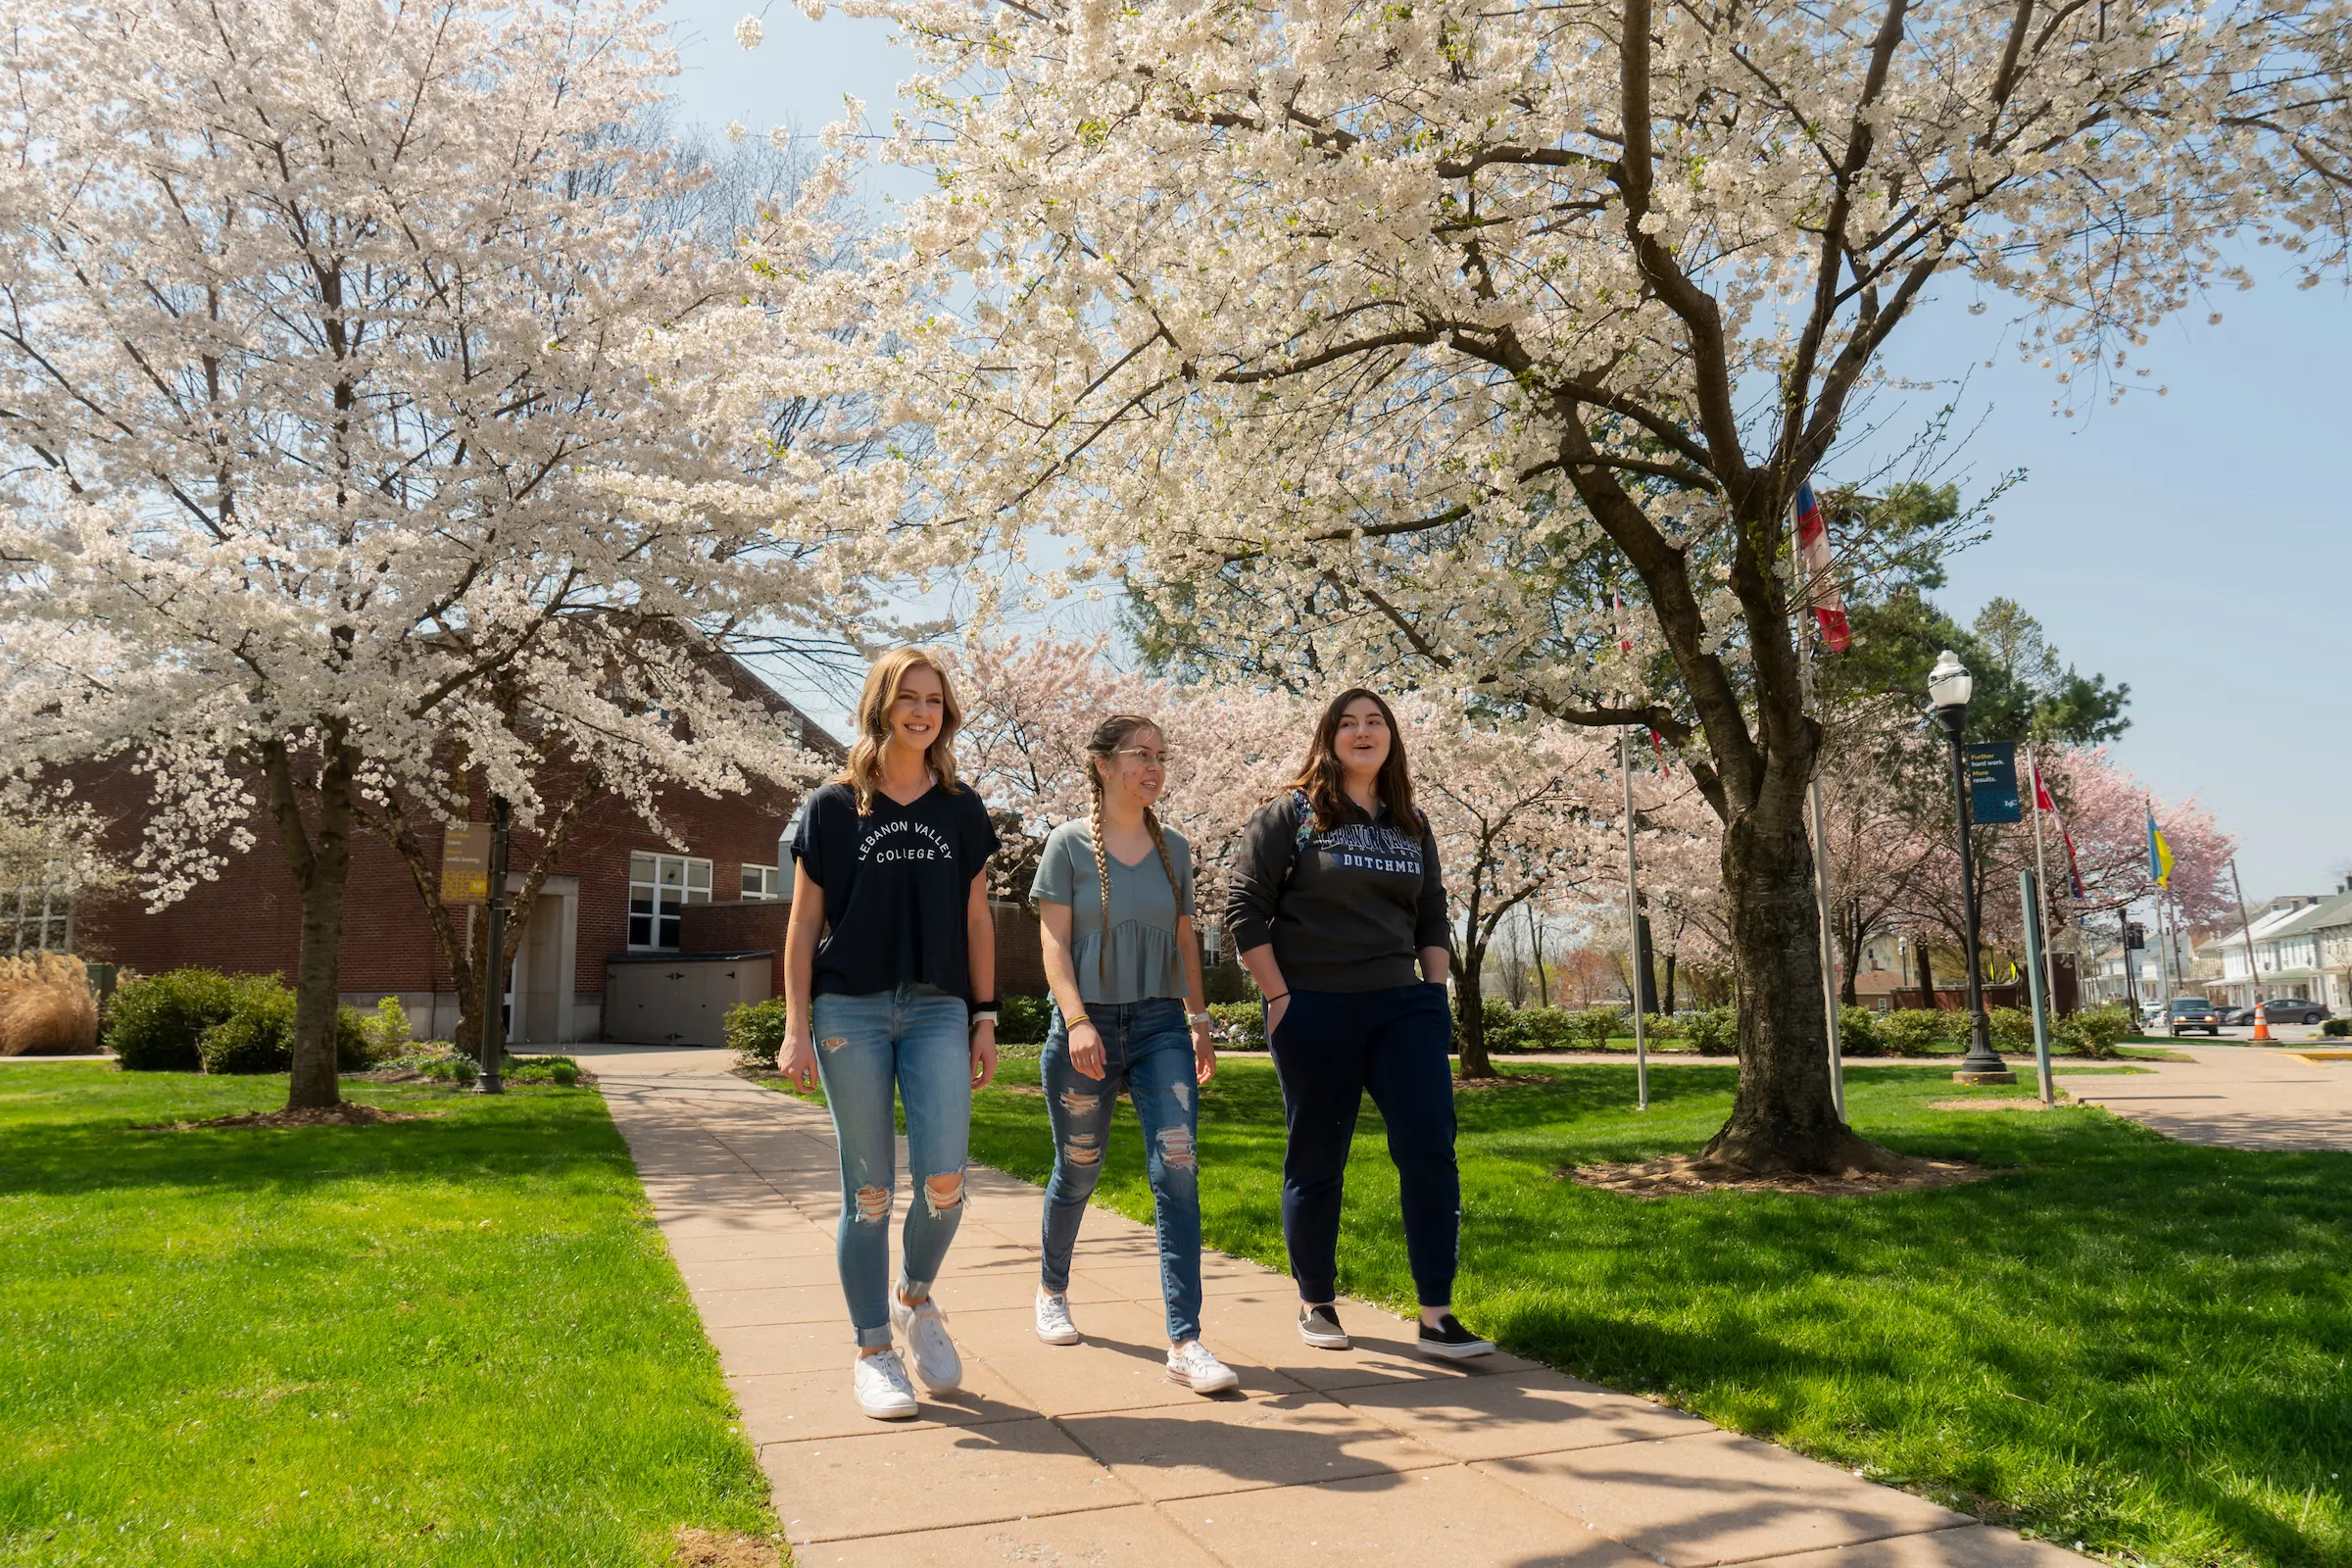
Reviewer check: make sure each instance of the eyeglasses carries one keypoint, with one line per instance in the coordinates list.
(1148, 759)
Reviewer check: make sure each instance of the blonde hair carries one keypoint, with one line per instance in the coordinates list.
(882, 683)
(1110, 735)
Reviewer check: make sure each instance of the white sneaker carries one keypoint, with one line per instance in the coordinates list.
(1053, 1325)
(1192, 1366)
(924, 1328)
(880, 1385)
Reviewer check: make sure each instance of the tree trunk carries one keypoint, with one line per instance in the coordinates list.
(1470, 1012)
(321, 865)
(1927, 978)
(1668, 978)
(1783, 1119)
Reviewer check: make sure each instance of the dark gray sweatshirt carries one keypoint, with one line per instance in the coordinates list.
(1355, 911)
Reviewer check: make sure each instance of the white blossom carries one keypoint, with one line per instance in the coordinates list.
(748, 32)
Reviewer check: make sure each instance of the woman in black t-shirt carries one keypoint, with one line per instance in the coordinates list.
(890, 861)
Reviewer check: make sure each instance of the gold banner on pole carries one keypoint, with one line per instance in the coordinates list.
(465, 864)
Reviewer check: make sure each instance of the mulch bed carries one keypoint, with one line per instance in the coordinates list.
(346, 1115)
(2001, 1103)
(1683, 1175)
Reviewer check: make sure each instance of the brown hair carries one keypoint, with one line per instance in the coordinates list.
(882, 683)
(1110, 735)
(1324, 782)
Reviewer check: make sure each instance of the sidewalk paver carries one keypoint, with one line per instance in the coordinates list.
(1087, 1454)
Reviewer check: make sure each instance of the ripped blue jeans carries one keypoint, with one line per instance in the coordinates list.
(1148, 1050)
(917, 1039)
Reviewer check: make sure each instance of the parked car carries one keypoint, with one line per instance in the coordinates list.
(2231, 1018)
(2193, 1012)
(2292, 1009)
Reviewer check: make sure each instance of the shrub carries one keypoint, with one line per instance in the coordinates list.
(1023, 1020)
(540, 1070)
(46, 1007)
(1714, 1032)
(2336, 1028)
(1915, 1031)
(436, 1059)
(1595, 1027)
(256, 1036)
(2012, 1028)
(754, 1032)
(1240, 1025)
(155, 1022)
(1858, 1033)
(2095, 1031)
(1663, 1026)
(386, 1032)
(1504, 1027)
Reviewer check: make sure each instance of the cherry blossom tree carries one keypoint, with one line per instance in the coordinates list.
(1414, 340)
(1523, 817)
(342, 376)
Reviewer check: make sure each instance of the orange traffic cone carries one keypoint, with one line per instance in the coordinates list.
(2262, 1030)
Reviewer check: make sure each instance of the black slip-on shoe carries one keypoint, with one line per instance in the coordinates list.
(1452, 1340)
(1319, 1325)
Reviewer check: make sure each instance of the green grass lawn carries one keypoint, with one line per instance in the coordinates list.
(2121, 1341)
(453, 1341)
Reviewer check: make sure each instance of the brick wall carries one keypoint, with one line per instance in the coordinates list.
(248, 920)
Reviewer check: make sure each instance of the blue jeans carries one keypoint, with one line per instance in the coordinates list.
(919, 1037)
(1146, 1050)
(1333, 1046)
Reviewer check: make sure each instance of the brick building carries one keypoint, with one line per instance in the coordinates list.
(618, 890)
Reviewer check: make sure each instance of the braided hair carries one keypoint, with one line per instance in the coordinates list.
(1110, 735)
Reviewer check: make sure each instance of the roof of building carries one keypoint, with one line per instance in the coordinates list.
(2320, 916)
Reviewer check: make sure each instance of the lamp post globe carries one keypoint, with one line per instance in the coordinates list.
(1949, 687)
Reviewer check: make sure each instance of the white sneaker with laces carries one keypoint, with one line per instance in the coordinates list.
(924, 1328)
(879, 1382)
(1194, 1366)
(1053, 1325)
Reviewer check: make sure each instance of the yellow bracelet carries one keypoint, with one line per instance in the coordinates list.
(1070, 1024)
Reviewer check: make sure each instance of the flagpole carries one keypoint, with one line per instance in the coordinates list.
(1633, 925)
(1821, 860)
(2163, 957)
(2042, 882)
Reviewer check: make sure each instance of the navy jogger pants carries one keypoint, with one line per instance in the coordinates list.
(1333, 1046)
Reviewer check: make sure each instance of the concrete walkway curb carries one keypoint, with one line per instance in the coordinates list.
(1087, 1454)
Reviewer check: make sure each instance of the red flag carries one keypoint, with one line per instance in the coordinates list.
(1625, 644)
(1821, 587)
(1657, 744)
(2043, 802)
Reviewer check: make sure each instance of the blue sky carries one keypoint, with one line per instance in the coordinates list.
(2195, 545)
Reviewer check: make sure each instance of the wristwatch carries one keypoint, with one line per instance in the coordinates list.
(1200, 1017)
(981, 1015)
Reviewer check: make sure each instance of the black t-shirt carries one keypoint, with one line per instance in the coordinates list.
(896, 883)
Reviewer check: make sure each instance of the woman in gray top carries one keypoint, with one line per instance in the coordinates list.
(1114, 895)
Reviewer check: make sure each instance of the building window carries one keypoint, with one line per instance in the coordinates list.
(762, 882)
(660, 886)
(36, 914)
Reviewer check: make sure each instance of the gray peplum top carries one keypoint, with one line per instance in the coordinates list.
(1143, 961)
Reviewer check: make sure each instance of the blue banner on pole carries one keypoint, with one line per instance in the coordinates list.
(1993, 796)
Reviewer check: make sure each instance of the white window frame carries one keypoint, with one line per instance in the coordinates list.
(764, 884)
(656, 896)
(37, 916)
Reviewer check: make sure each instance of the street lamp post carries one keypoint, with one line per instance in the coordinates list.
(1949, 687)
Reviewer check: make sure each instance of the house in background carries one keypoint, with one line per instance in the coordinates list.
(2302, 947)
(619, 895)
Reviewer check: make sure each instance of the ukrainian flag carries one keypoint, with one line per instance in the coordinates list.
(2160, 854)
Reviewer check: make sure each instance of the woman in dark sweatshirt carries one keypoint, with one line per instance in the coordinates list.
(1335, 896)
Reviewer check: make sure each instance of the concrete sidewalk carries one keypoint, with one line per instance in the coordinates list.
(1087, 1454)
(2232, 1096)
